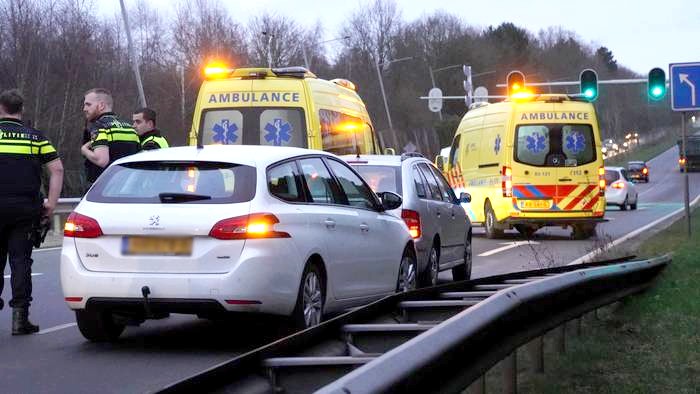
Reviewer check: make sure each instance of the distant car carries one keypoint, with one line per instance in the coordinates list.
(638, 170)
(438, 224)
(620, 190)
(273, 230)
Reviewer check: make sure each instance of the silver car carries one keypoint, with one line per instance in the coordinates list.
(437, 222)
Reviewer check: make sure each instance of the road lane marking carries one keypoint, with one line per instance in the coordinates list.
(634, 233)
(509, 245)
(56, 328)
(33, 274)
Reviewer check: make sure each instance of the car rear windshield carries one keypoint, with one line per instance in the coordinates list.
(156, 182)
(635, 166)
(253, 126)
(611, 176)
(555, 145)
(381, 178)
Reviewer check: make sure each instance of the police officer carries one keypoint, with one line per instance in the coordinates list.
(23, 152)
(145, 125)
(107, 138)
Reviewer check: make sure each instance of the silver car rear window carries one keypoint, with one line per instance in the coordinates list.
(381, 178)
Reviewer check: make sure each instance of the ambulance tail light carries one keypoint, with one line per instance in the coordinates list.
(601, 180)
(81, 226)
(507, 181)
(412, 220)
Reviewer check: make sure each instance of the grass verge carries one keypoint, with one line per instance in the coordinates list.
(649, 343)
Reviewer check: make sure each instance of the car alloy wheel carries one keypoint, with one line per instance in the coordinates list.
(312, 301)
(433, 266)
(407, 273)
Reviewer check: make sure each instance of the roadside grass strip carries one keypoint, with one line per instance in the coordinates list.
(648, 343)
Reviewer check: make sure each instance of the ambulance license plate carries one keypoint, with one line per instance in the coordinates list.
(157, 246)
(535, 204)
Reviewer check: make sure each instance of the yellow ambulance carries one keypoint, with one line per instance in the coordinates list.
(530, 162)
(281, 107)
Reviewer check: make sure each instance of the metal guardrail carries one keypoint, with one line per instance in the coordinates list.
(438, 339)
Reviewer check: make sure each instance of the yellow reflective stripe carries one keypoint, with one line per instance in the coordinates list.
(44, 149)
(18, 149)
(125, 137)
(18, 142)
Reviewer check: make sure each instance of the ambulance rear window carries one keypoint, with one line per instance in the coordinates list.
(555, 145)
(254, 126)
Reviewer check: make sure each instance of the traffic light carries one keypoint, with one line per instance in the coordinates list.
(468, 87)
(588, 81)
(515, 82)
(656, 84)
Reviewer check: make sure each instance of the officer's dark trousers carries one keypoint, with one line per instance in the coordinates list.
(15, 242)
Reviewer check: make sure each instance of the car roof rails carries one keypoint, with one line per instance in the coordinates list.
(407, 155)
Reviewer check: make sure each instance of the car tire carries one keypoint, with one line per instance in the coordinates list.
(490, 223)
(407, 279)
(623, 206)
(464, 271)
(98, 326)
(525, 230)
(429, 276)
(308, 310)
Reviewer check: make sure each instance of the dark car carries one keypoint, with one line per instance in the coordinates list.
(638, 171)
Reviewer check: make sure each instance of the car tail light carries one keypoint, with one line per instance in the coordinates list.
(645, 171)
(255, 225)
(681, 161)
(507, 181)
(73, 299)
(412, 220)
(618, 185)
(81, 226)
(601, 180)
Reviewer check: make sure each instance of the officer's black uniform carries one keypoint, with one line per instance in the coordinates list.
(119, 136)
(23, 151)
(153, 140)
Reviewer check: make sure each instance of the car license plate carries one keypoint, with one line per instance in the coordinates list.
(162, 246)
(535, 204)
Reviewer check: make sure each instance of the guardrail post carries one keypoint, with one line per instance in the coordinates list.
(510, 373)
(537, 354)
(561, 338)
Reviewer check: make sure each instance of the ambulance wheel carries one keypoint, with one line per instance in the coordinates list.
(583, 231)
(490, 223)
(525, 230)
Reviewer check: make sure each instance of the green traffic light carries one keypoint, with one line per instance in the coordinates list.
(588, 83)
(656, 84)
(656, 91)
(589, 93)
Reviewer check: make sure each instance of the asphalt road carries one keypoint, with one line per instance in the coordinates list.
(148, 357)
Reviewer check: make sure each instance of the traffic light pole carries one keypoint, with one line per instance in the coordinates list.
(686, 188)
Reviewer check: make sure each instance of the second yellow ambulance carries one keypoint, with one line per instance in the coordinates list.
(530, 162)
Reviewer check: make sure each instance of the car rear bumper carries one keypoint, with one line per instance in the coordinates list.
(554, 221)
(260, 282)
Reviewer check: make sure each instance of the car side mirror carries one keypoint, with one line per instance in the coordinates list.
(465, 197)
(390, 200)
(440, 162)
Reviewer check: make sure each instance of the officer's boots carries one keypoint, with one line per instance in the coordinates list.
(20, 322)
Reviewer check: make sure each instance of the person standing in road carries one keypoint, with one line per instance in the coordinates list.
(107, 137)
(23, 152)
(145, 125)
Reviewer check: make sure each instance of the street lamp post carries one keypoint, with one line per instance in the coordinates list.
(381, 87)
(306, 57)
(269, 47)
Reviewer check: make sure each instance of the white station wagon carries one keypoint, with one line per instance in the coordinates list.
(282, 231)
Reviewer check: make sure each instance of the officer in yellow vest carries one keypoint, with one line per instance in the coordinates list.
(23, 153)
(145, 125)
